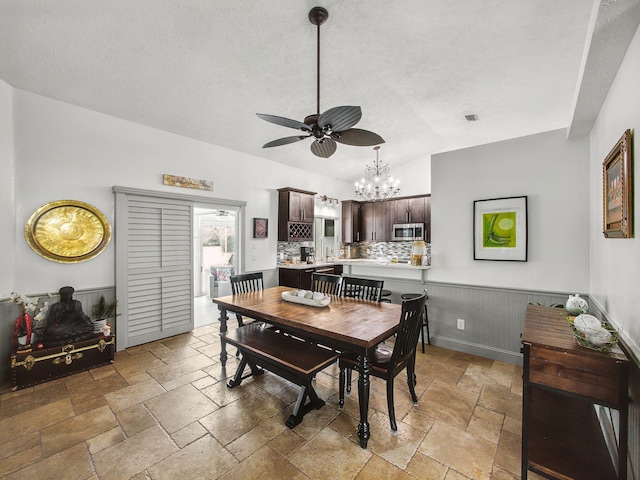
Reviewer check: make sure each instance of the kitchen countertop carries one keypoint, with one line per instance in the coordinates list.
(360, 262)
(303, 265)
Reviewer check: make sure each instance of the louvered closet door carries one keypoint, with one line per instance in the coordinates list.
(159, 269)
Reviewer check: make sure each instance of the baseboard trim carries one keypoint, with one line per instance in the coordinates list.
(477, 349)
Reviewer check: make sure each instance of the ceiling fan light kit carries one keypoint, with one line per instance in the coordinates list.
(333, 125)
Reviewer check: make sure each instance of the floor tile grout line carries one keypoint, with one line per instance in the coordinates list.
(331, 374)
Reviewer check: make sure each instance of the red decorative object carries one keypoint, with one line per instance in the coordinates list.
(21, 327)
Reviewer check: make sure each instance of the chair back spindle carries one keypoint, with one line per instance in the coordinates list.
(363, 288)
(326, 283)
(247, 282)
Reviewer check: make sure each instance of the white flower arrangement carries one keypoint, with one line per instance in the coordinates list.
(31, 306)
(31, 322)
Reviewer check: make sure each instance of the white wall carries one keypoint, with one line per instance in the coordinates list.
(548, 168)
(615, 262)
(415, 177)
(67, 152)
(7, 213)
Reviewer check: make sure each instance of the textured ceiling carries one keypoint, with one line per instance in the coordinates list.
(203, 69)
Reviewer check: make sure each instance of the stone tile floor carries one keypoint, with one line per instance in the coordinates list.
(163, 411)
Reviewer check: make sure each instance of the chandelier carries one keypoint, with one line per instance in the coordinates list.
(377, 184)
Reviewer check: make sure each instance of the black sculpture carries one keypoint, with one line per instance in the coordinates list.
(66, 322)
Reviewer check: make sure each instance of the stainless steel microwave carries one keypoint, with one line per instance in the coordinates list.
(408, 231)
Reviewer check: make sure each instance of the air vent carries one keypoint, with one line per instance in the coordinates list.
(472, 118)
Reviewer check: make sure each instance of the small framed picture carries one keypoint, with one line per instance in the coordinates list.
(500, 229)
(260, 227)
(617, 206)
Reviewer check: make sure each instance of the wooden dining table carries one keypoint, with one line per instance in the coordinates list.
(346, 325)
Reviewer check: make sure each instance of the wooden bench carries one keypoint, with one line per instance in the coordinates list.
(286, 356)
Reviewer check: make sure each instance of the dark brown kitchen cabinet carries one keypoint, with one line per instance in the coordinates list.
(295, 215)
(351, 221)
(410, 210)
(301, 277)
(373, 221)
(384, 224)
(427, 219)
(295, 277)
(368, 222)
(296, 205)
(413, 210)
(376, 222)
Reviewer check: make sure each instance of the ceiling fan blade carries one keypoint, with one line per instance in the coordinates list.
(340, 118)
(285, 141)
(358, 138)
(325, 147)
(285, 122)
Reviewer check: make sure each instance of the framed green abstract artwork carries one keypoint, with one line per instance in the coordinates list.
(500, 229)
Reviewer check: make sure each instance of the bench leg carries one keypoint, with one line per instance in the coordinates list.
(302, 408)
(237, 378)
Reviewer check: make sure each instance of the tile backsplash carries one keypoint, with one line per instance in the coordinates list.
(374, 250)
(286, 250)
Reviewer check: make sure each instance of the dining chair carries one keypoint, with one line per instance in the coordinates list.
(244, 283)
(425, 318)
(326, 283)
(387, 362)
(364, 288)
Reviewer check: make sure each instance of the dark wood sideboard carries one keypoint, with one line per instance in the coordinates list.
(562, 382)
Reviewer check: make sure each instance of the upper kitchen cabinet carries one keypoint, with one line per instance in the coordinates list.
(296, 205)
(295, 215)
(376, 222)
(351, 225)
(427, 219)
(373, 221)
(412, 210)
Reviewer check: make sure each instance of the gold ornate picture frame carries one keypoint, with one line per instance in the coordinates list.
(617, 190)
(67, 231)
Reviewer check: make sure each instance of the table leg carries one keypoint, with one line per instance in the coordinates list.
(363, 397)
(223, 329)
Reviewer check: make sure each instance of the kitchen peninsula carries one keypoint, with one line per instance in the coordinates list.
(298, 275)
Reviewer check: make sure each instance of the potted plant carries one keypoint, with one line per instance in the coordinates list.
(101, 312)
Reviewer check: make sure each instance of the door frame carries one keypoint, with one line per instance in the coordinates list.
(198, 270)
(121, 218)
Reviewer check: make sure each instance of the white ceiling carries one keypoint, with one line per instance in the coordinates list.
(203, 69)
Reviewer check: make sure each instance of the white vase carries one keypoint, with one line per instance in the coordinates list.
(576, 305)
(98, 325)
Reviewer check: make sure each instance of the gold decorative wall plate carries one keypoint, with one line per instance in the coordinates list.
(67, 231)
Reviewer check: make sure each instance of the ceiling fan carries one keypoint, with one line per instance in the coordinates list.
(333, 125)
